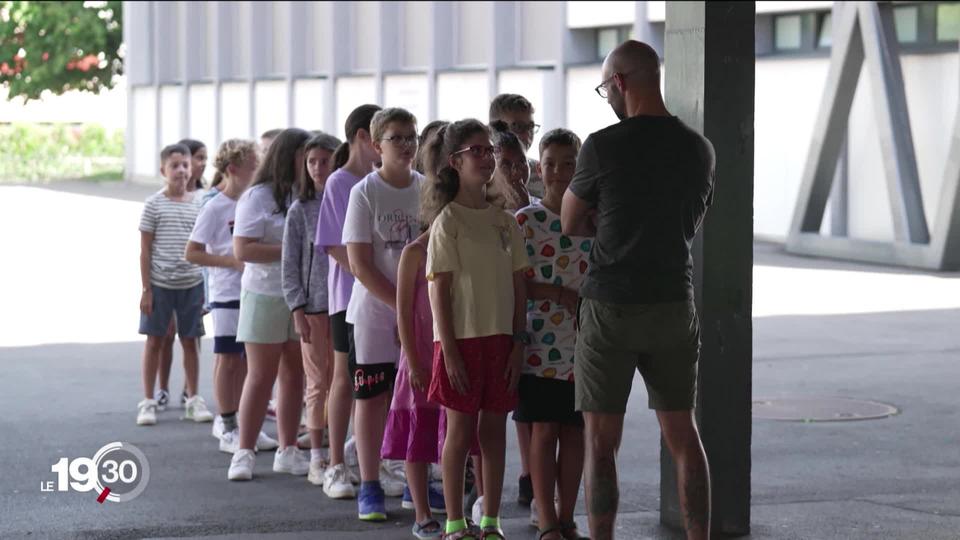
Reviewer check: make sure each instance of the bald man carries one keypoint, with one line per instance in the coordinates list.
(642, 186)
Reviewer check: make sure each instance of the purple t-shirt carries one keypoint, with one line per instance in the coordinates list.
(333, 212)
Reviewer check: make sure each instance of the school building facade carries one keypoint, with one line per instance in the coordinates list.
(219, 70)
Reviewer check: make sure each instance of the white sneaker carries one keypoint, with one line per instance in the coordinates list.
(436, 473)
(391, 482)
(291, 460)
(534, 516)
(241, 465)
(477, 511)
(230, 441)
(163, 398)
(317, 468)
(196, 410)
(336, 484)
(265, 442)
(147, 412)
(217, 429)
(350, 453)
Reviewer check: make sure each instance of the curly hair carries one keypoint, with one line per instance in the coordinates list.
(231, 152)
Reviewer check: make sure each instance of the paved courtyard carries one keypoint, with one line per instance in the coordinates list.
(71, 358)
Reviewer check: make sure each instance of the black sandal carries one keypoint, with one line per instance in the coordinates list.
(569, 532)
(548, 531)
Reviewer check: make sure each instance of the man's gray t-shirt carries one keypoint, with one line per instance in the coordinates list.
(651, 181)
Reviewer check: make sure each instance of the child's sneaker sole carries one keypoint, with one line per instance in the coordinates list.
(373, 516)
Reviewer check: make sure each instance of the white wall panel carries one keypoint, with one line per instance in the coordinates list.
(171, 127)
(408, 92)
(463, 95)
(270, 106)
(308, 103)
(540, 24)
(351, 93)
(529, 83)
(366, 17)
(235, 111)
(586, 111)
(145, 160)
(320, 14)
(600, 13)
(415, 17)
(203, 117)
(473, 34)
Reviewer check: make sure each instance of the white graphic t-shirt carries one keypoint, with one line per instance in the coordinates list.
(214, 228)
(386, 217)
(258, 217)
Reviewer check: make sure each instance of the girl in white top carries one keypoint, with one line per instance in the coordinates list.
(266, 324)
(211, 245)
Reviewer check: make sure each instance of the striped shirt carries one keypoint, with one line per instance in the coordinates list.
(171, 223)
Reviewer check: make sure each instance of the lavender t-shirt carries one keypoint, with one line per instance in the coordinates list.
(333, 212)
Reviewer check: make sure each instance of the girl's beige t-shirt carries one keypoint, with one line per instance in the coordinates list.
(482, 248)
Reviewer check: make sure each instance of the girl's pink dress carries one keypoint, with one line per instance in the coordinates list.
(415, 426)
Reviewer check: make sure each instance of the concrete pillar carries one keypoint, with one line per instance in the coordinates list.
(709, 69)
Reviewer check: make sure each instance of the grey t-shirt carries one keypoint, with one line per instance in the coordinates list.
(651, 180)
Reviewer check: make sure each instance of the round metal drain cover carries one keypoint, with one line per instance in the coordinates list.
(816, 409)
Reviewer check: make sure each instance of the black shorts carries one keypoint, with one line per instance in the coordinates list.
(548, 401)
(369, 380)
(338, 331)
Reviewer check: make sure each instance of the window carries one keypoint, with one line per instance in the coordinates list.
(609, 38)
(948, 21)
(905, 20)
(787, 32)
(825, 38)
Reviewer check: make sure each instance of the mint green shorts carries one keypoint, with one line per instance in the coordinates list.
(264, 319)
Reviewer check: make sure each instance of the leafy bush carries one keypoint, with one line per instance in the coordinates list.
(44, 152)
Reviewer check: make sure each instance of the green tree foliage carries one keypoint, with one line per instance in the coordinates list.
(59, 46)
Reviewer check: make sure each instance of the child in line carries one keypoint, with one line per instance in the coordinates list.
(171, 285)
(558, 265)
(266, 324)
(508, 188)
(382, 218)
(353, 160)
(305, 290)
(414, 424)
(198, 164)
(211, 246)
(516, 112)
(475, 263)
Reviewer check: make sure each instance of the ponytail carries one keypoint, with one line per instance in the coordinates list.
(341, 155)
(443, 181)
(217, 178)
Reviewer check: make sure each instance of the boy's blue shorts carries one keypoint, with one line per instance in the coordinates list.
(186, 303)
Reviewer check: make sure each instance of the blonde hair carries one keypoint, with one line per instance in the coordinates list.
(231, 152)
(384, 117)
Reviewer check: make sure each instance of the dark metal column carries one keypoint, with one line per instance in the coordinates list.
(709, 68)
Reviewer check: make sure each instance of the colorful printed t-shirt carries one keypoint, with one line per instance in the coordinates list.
(556, 259)
(482, 248)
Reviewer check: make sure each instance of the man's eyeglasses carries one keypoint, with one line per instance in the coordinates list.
(478, 151)
(601, 88)
(409, 140)
(518, 127)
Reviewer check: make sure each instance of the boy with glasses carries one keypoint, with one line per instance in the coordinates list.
(517, 112)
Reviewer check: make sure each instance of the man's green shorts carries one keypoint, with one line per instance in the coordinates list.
(660, 340)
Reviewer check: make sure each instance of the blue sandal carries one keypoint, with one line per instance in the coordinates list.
(426, 529)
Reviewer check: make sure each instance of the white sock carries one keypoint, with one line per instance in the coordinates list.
(316, 454)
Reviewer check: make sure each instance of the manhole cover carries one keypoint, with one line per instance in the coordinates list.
(819, 409)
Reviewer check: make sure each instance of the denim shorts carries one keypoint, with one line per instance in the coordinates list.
(186, 303)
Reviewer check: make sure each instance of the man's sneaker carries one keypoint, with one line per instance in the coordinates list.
(477, 511)
(266, 442)
(390, 481)
(271, 411)
(525, 490)
(317, 468)
(434, 496)
(163, 399)
(147, 412)
(217, 429)
(370, 506)
(196, 410)
(290, 460)
(336, 484)
(230, 441)
(241, 465)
